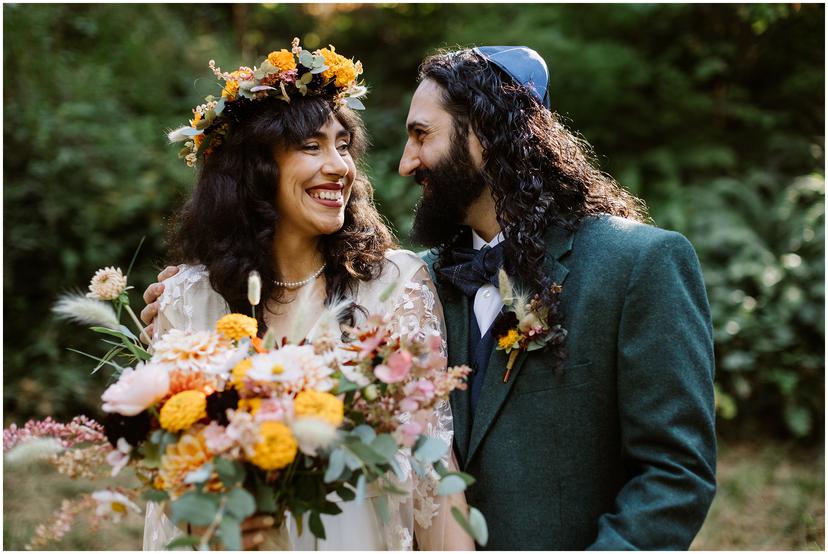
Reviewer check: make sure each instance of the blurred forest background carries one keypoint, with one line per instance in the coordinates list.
(713, 114)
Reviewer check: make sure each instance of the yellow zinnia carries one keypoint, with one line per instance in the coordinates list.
(230, 89)
(332, 60)
(509, 339)
(239, 372)
(237, 326)
(345, 73)
(283, 60)
(277, 447)
(322, 405)
(182, 410)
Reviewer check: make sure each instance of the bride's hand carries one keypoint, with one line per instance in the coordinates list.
(151, 296)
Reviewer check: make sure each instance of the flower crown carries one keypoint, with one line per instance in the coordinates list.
(281, 75)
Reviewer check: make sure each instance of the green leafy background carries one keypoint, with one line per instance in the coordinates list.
(714, 114)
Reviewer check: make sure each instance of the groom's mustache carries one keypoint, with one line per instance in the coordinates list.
(422, 176)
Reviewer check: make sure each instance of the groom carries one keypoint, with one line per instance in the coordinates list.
(604, 439)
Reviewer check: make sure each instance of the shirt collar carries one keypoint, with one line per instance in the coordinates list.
(478, 242)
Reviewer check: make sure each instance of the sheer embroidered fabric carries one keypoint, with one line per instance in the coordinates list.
(190, 303)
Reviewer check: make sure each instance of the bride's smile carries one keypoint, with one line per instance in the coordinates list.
(315, 180)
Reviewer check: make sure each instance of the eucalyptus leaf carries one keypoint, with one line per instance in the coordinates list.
(360, 489)
(336, 465)
(382, 508)
(480, 530)
(306, 59)
(385, 445)
(199, 475)
(230, 472)
(185, 541)
(365, 433)
(195, 507)
(320, 69)
(155, 495)
(366, 453)
(269, 340)
(354, 103)
(306, 78)
(265, 500)
(352, 461)
(450, 484)
(431, 450)
(345, 385)
(229, 532)
(219, 106)
(240, 503)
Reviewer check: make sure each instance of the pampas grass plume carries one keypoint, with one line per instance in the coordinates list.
(86, 311)
(32, 450)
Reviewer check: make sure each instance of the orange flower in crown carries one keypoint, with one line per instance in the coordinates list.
(284, 73)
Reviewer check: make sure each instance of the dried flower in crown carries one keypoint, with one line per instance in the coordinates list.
(282, 74)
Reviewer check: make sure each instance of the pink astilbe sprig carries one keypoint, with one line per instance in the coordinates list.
(80, 430)
(61, 521)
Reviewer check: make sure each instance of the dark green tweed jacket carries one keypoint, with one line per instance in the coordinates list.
(617, 451)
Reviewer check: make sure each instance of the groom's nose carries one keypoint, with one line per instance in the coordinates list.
(410, 160)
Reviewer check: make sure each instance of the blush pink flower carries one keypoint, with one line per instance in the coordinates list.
(369, 344)
(396, 368)
(421, 390)
(407, 433)
(409, 405)
(137, 389)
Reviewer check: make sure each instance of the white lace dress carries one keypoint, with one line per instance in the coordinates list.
(190, 303)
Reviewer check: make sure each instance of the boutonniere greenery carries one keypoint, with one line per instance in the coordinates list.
(524, 325)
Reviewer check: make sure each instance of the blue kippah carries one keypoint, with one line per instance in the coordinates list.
(524, 65)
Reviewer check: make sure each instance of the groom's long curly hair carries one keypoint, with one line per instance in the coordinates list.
(539, 172)
(228, 222)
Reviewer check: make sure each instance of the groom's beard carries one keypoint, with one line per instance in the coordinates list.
(452, 185)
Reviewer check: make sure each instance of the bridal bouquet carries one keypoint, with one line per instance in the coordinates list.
(222, 424)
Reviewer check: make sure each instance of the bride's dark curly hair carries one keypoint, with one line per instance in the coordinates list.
(539, 173)
(228, 222)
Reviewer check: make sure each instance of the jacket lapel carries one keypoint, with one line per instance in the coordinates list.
(495, 391)
(456, 311)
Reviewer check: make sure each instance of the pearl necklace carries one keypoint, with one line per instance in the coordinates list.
(300, 284)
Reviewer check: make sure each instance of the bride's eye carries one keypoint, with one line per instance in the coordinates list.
(344, 147)
(311, 147)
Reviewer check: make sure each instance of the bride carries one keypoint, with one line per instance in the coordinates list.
(279, 191)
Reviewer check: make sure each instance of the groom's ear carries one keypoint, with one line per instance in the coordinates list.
(476, 150)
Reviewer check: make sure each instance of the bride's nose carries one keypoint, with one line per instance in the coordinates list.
(335, 164)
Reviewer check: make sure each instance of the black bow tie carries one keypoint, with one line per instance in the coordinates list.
(470, 269)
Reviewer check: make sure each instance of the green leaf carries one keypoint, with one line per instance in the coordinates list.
(352, 461)
(196, 508)
(360, 489)
(229, 532)
(306, 59)
(200, 475)
(319, 69)
(306, 78)
(269, 340)
(475, 526)
(219, 106)
(336, 465)
(190, 541)
(365, 433)
(155, 495)
(240, 503)
(450, 484)
(431, 450)
(345, 385)
(366, 453)
(345, 493)
(385, 445)
(382, 507)
(480, 530)
(316, 527)
(230, 472)
(265, 501)
(354, 103)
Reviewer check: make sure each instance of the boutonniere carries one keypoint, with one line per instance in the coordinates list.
(524, 326)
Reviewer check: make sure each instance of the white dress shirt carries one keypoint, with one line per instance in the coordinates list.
(487, 300)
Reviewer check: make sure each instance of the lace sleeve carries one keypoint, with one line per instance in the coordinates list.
(189, 302)
(418, 313)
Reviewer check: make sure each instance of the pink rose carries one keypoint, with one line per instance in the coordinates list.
(136, 390)
(396, 367)
(407, 433)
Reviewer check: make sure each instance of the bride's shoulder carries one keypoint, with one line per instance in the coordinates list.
(404, 262)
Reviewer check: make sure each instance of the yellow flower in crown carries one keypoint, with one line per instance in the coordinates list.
(183, 410)
(277, 447)
(283, 59)
(284, 73)
(322, 405)
(237, 326)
